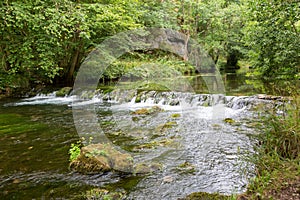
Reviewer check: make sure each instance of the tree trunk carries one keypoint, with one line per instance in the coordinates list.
(70, 76)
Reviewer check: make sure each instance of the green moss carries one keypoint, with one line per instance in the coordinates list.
(96, 158)
(106, 88)
(142, 111)
(170, 124)
(155, 144)
(147, 111)
(175, 115)
(167, 125)
(229, 120)
(98, 193)
(146, 168)
(63, 92)
(186, 167)
(205, 196)
(17, 124)
(205, 104)
(138, 99)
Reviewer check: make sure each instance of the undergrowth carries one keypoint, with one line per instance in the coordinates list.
(278, 160)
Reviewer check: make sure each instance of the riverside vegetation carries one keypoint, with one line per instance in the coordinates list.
(43, 44)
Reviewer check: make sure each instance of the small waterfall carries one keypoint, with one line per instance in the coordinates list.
(150, 98)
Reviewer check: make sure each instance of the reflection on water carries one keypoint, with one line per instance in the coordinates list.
(238, 84)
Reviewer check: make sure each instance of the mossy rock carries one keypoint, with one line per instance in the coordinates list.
(97, 158)
(98, 193)
(205, 196)
(147, 111)
(157, 143)
(186, 167)
(175, 115)
(166, 125)
(229, 120)
(63, 92)
(138, 99)
(147, 168)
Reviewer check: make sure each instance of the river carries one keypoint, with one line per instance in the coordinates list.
(36, 134)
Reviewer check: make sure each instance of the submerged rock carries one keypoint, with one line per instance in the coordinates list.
(167, 125)
(175, 115)
(186, 167)
(98, 193)
(97, 158)
(146, 168)
(168, 179)
(157, 143)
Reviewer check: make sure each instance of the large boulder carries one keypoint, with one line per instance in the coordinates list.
(96, 158)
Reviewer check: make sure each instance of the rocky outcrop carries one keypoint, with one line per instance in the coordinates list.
(97, 158)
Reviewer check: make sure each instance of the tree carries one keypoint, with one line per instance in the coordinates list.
(45, 41)
(272, 34)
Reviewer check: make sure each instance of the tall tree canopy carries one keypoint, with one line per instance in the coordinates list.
(45, 41)
(273, 37)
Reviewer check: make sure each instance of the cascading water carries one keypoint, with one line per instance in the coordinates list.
(188, 130)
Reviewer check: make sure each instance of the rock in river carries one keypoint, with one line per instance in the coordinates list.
(96, 158)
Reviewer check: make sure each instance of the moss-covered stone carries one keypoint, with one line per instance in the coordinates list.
(98, 193)
(175, 115)
(186, 167)
(63, 92)
(167, 125)
(155, 144)
(97, 158)
(147, 111)
(146, 168)
(229, 120)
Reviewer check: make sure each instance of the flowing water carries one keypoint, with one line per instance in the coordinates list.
(36, 134)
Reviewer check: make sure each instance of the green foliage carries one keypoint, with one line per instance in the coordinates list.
(107, 18)
(147, 65)
(272, 34)
(161, 14)
(35, 36)
(45, 40)
(74, 151)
